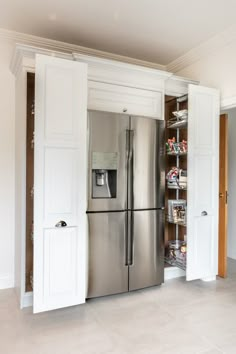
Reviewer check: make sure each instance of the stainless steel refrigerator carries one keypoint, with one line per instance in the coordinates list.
(126, 180)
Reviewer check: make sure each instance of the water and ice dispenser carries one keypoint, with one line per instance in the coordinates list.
(104, 174)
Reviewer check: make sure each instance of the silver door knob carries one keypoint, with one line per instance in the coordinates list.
(61, 223)
(203, 213)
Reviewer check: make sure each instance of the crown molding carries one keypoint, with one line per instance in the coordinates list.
(53, 45)
(206, 48)
(228, 102)
(24, 55)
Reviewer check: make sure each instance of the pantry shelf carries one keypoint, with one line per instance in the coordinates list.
(176, 263)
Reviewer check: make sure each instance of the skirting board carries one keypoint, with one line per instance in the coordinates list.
(6, 282)
(173, 272)
(27, 299)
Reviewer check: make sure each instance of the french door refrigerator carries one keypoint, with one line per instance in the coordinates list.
(125, 203)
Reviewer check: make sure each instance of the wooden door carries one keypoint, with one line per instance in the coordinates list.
(223, 194)
(60, 183)
(203, 183)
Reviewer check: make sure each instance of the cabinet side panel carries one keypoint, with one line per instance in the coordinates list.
(20, 178)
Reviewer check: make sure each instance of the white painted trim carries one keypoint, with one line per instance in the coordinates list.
(95, 60)
(24, 55)
(228, 103)
(173, 272)
(178, 86)
(99, 69)
(27, 300)
(123, 74)
(6, 281)
(53, 45)
(215, 43)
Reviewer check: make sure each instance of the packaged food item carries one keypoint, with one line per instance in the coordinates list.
(177, 178)
(177, 211)
(176, 147)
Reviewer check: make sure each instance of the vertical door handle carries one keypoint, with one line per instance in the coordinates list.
(131, 142)
(127, 239)
(127, 149)
(131, 238)
(130, 169)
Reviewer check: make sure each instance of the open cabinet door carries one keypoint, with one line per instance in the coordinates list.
(60, 183)
(203, 183)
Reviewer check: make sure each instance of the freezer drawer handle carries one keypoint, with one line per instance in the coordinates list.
(204, 213)
(61, 223)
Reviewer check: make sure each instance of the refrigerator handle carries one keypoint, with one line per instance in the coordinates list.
(127, 149)
(130, 170)
(129, 239)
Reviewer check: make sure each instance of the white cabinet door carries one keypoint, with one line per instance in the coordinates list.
(203, 177)
(60, 183)
(120, 99)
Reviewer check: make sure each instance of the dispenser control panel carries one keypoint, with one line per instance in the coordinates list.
(104, 174)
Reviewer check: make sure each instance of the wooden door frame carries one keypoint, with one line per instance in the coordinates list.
(223, 191)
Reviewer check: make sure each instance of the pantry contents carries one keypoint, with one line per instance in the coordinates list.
(179, 119)
(175, 148)
(176, 253)
(176, 178)
(177, 211)
(176, 182)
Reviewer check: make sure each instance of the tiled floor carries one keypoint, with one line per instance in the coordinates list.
(178, 317)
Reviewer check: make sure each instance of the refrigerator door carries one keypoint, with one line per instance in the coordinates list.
(147, 260)
(108, 272)
(108, 149)
(147, 165)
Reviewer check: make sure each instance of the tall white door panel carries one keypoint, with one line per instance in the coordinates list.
(203, 177)
(60, 183)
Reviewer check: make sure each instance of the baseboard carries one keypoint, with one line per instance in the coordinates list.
(27, 299)
(6, 281)
(173, 272)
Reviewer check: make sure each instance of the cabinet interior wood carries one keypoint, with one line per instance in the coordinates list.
(29, 181)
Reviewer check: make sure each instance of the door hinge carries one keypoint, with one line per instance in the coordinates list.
(226, 197)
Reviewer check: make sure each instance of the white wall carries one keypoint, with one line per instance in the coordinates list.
(7, 89)
(216, 70)
(232, 183)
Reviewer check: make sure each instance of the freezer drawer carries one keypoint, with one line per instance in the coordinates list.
(147, 262)
(147, 168)
(108, 273)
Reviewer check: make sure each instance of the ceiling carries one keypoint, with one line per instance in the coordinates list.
(153, 30)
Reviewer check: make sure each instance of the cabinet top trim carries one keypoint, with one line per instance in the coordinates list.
(114, 63)
(112, 70)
